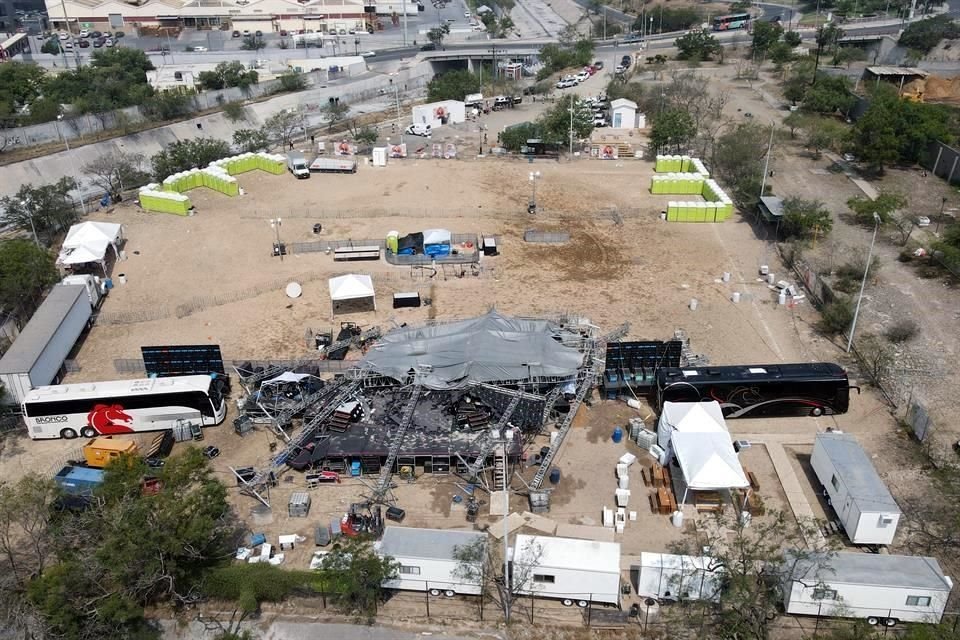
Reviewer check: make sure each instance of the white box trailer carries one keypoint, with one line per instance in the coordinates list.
(573, 571)
(35, 358)
(427, 559)
(881, 589)
(867, 511)
(666, 576)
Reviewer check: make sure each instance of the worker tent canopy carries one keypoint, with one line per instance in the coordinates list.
(692, 417)
(436, 242)
(88, 242)
(352, 292)
(489, 348)
(708, 461)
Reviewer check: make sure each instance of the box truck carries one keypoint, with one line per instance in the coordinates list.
(95, 286)
(297, 165)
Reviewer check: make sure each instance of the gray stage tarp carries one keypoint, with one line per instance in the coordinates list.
(489, 348)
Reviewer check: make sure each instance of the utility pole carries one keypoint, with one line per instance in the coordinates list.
(863, 284)
(571, 126)
(766, 164)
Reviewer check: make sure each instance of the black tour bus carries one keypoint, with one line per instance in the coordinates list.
(760, 390)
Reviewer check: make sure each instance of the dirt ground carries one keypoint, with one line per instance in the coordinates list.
(211, 279)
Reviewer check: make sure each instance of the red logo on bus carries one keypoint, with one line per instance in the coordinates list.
(110, 419)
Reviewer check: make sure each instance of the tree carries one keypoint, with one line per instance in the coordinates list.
(794, 121)
(515, 136)
(334, 112)
(363, 134)
(884, 205)
(167, 105)
(291, 81)
(234, 111)
(748, 557)
(875, 133)
(672, 129)
(117, 171)
(47, 209)
(830, 94)
(20, 85)
(848, 55)
(250, 140)
(738, 160)
(924, 35)
(253, 42)
(805, 218)
(282, 125)
(228, 74)
(51, 46)
(555, 122)
(671, 19)
(357, 573)
(25, 272)
(128, 550)
(184, 155)
(780, 53)
(697, 46)
(481, 563)
(792, 38)
(437, 34)
(765, 35)
(452, 85)
(825, 133)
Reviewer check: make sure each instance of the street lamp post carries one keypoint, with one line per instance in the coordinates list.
(356, 46)
(863, 284)
(943, 203)
(275, 225)
(29, 208)
(60, 133)
(534, 176)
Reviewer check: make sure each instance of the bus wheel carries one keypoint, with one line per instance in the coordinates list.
(88, 432)
(873, 621)
(68, 434)
(890, 622)
(582, 604)
(449, 593)
(434, 592)
(816, 412)
(567, 602)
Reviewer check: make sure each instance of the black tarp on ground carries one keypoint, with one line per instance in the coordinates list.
(410, 244)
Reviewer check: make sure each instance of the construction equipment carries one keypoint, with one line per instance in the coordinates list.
(100, 452)
(488, 442)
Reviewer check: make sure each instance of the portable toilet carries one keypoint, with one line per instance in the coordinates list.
(393, 241)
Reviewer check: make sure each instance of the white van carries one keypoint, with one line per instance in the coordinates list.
(419, 129)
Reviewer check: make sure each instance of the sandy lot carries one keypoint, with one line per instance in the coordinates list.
(211, 279)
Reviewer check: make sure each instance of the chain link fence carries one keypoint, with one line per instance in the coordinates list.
(546, 237)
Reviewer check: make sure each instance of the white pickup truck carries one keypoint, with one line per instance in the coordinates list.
(297, 165)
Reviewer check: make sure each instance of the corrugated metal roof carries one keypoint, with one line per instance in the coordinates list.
(435, 544)
(23, 353)
(858, 473)
(897, 71)
(567, 553)
(873, 569)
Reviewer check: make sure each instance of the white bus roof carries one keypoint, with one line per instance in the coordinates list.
(144, 386)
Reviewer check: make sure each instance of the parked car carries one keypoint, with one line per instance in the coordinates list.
(923, 221)
(258, 33)
(343, 32)
(84, 33)
(429, 47)
(283, 33)
(418, 129)
(68, 45)
(619, 69)
(598, 65)
(84, 44)
(108, 42)
(583, 75)
(368, 54)
(211, 452)
(118, 34)
(98, 43)
(96, 34)
(198, 49)
(246, 32)
(236, 34)
(466, 14)
(599, 121)
(625, 61)
(564, 84)
(333, 32)
(63, 35)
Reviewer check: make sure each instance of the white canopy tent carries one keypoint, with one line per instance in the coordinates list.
(346, 291)
(689, 417)
(708, 461)
(88, 242)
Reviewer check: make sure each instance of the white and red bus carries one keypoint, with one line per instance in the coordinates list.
(124, 406)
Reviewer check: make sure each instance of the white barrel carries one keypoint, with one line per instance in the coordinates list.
(677, 519)
(122, 278)
(693, 304)
(764, 269)
(782, 298)
(663, 215)
(735, 297)
(726, 276)
(771, 278)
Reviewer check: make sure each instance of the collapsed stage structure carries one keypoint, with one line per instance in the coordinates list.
(462, 397)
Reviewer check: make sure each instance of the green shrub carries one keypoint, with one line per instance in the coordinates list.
(836, 317)
(902, 330)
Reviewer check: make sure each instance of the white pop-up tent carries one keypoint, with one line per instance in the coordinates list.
(708, 461)
(88, 242)
(689, 417)
(352, 292)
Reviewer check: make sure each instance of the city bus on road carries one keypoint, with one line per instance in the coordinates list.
(732, 21)
(14, 46)
(90, 409)
(760, 390)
